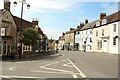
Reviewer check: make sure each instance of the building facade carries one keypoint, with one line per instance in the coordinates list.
(10, 27)
(7, 33)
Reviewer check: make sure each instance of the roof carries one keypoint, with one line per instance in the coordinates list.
(113, 17)
(2, 11)
(71, 31)
(25, 23)
(62, 38)
(40, 31)
(90, 25)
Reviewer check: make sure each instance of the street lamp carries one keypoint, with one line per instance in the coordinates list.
(20, 29)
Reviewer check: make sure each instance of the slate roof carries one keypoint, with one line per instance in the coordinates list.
(113, 17)
(25, 23)
(90, 25)
(1, 11)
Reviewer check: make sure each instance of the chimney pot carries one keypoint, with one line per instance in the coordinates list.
(7, 5)
(86, 21)
(102, 15)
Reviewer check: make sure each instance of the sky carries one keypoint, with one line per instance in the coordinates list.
(58, 16)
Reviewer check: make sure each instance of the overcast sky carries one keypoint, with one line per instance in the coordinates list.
(57, 16)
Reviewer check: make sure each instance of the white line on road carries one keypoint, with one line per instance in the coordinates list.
(44, 67)
(81, 73)
(53, 72)
(68, 65)
(9, 76)
(56, 69)
(75, 76)
(54, 63)
(12, 68)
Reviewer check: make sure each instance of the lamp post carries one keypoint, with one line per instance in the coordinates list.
(20, 28)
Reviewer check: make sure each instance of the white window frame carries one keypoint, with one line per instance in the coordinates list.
(103, 32)
(2, 32)
(104, 21)
(99, 44)
(114, 41)
(114, 27)
(98, 23)
(96, 32)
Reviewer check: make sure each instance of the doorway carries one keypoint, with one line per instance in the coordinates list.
(105, 46)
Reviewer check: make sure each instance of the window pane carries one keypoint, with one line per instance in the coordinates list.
(114, 41)
(114, 27)
(102, 32)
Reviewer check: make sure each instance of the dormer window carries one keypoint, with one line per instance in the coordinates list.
(90, 31)
(104, 21)
(98, 23)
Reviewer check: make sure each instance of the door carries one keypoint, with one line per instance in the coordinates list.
(105, 46)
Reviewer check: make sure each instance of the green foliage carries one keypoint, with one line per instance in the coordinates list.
(30, 36)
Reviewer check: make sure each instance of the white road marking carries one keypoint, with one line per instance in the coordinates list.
(81, 73)
(54, 72)
(56, 69)
(44, 67)
(54, 63)
(67, 65)
(19, 62)
(12, 68)
(75, 76)
(9, 76)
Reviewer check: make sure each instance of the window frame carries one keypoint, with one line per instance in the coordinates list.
(114, 27)
(103, 32)
(96, 32)
(114, 41)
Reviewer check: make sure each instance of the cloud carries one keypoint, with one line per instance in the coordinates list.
(53, 33)
(110, 7)
(62, 5)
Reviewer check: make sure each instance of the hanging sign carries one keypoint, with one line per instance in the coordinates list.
(2, 31)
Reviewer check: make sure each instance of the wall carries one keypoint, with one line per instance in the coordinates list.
(7, 20)
(114, 48)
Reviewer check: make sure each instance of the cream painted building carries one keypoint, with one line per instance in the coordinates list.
(61, 42)
(70, 39)
(105, 34)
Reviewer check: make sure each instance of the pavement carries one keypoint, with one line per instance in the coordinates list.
(65, 64)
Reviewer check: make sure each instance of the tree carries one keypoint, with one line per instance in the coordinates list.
(30, 37)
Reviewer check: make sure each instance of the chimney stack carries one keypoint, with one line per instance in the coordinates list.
(7, 5)
(102, 15)
(71, 29)
(82, 25)
(34, 22)
(86, 21)
(63, 33)
(78, 26)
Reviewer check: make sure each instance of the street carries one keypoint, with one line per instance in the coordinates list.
(64, 64)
